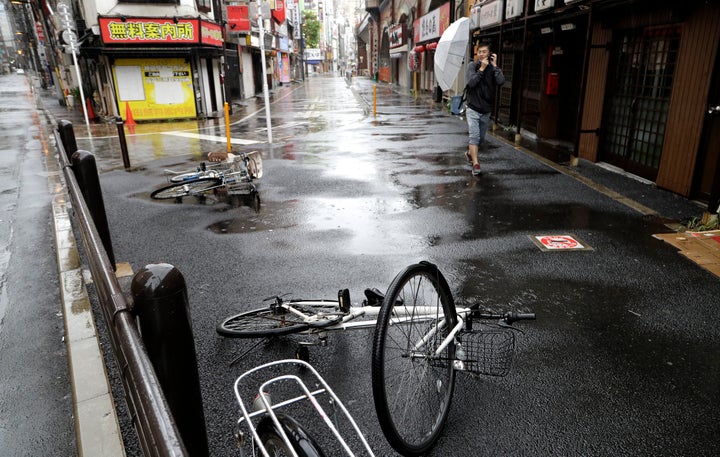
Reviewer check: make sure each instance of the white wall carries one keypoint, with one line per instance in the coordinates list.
(247, 75)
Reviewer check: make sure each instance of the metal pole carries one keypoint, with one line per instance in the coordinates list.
(67, 135)
(80, 84)
(85, 169)
(161, 304)
(265, 85)
(123, 143)
(226, 110)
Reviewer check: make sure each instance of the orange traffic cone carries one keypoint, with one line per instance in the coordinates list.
(90, 110)
(128, 115)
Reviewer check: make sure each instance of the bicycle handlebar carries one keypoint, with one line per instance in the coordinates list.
(508, 317)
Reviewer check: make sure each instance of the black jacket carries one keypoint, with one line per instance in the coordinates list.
(481, 86)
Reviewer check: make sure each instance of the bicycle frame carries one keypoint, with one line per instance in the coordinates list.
(350, 320)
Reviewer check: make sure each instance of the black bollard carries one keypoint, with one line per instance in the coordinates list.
(123, 143)
(160, 302)
(67, 135)
(85, 170)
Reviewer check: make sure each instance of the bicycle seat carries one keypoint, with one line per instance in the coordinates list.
(374, 297)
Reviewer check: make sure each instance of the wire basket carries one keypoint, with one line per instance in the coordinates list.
(488, 351)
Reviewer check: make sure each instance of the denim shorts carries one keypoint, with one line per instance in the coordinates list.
(477, 126)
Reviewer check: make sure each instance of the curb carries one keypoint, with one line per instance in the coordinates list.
(97, 428)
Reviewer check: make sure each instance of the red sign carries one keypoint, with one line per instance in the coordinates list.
(124, 30)
(238, 18)
(397, 35)
(40, 33)
(279, 12)
(553, 84)
(559, 242)
(211, 34)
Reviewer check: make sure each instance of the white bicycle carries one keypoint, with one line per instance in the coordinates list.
(421, 340)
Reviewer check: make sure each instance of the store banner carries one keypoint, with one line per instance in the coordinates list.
(432, 25)
(210, 34)
(514, 8)
(135, 30)
(491, 13)
(397, 35)
(543, 5)
(238, 19)
(278, 13)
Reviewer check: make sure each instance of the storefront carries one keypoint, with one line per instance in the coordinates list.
(398, 39)
(427, 31)
(161, 68)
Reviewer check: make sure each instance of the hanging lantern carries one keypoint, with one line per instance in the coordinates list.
(431, 46)
(419, 49)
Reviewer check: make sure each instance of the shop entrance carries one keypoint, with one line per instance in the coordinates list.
(258, 72)
(706, 184)
(639, 88)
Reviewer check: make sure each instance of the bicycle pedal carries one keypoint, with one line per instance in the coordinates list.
(344, 300)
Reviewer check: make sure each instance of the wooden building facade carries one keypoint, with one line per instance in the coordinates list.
(633, 83)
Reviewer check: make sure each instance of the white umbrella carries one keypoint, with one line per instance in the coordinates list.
(450, 52)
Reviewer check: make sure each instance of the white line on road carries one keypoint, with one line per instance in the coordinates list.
(219, 139)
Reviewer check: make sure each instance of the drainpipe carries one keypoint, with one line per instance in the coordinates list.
(521, 73)
(583, 88)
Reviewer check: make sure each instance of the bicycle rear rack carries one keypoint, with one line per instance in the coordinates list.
(262, 404)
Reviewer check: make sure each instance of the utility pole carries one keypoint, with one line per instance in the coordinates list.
(264, 74)
(70, 37)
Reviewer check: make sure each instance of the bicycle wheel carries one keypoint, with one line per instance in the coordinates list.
(184, 189)
(298, 439)
(261, 323)
(412, 387)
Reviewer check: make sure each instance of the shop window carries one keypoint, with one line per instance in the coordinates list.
(532, 85)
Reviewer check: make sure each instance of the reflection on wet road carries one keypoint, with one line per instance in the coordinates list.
(348, 199)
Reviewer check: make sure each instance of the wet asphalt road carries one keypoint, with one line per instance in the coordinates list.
(623, 359)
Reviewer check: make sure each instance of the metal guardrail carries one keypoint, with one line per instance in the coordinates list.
(157, 431)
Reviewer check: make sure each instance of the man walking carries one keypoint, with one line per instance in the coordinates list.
(482, 79)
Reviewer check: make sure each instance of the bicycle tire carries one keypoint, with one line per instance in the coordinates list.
(412, 391)
(275, 321)
(184, 189)
(301, 441)
(260, 323)
(254, 167)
